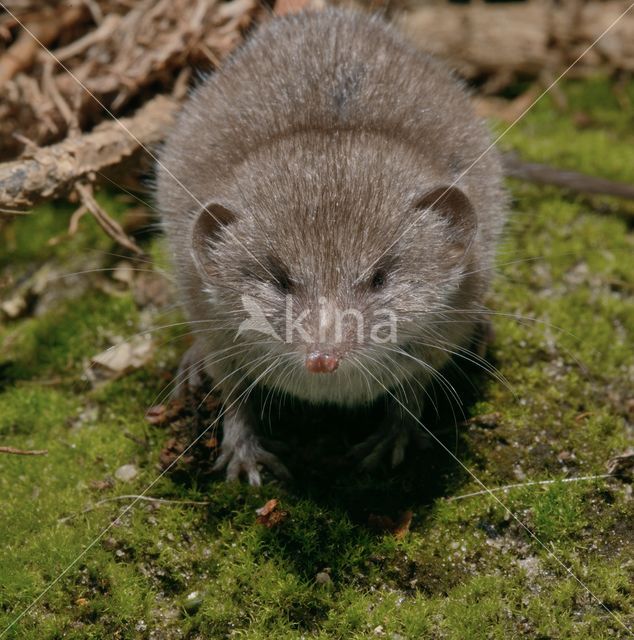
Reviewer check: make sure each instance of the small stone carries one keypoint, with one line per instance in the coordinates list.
(126, 473)
(193, 601)
(123, 272)
(379, 631)
(323, 578)
(14, 307)
(156, 414)
(109, 543)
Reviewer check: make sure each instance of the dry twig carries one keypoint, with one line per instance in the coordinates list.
(110, 226)
(538, 173)
(24, 452)
(135, 498)
(128, 51)
(520, 485)
(45, 27)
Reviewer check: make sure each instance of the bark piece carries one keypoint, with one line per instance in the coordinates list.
(512, 39)
(52, 171)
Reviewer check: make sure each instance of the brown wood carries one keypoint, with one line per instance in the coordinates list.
(511, 39)
(51, 171)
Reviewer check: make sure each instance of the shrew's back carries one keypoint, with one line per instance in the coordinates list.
(321, 71)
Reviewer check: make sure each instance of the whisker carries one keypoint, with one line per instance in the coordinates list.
(447, 388)
(208, 359)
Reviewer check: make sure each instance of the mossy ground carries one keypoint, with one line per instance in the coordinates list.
(564, 328)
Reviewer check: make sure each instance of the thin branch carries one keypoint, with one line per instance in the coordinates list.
(133, 497)
(25, 49)
(12, 212)
(110, 226)
(514, 167)
(102, 33)
(50, 86)
(24, 452)
(527, 484)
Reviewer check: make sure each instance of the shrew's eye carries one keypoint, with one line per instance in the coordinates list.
(283, 282)
(279, 274)
(379, 278)
(384, 268)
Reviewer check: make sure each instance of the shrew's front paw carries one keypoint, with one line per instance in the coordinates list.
(242, 455)
(391, 440)
(190, 370)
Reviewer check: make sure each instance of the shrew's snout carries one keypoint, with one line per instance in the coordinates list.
(322, 361)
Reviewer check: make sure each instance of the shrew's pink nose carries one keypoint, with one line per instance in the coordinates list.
(320, 362)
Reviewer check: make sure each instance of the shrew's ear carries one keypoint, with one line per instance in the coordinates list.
(457, 209)
(210, 222)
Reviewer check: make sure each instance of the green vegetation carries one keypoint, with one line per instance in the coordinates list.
(564, 324)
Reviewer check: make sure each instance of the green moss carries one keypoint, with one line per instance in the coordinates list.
(62, 342)
(564, 321)
(43, 234)
(604, 147)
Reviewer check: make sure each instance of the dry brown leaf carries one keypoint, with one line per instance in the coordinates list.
(156, 414)
(403, 524)
(210, 443)
(120, 359)
(268, 508)
(622, 465)
(171, 451)
(269, 515)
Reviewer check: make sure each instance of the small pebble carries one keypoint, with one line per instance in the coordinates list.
(323, 578)
(193, 601)
(109, 543)
(126, 473)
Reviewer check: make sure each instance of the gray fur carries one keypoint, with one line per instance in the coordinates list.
(320, 136)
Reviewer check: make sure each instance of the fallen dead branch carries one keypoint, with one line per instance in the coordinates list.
(134, 498)
(538, 173)
(55, 170)
(536, 483)
(67, 68)
(504, 41)
(52, 171)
